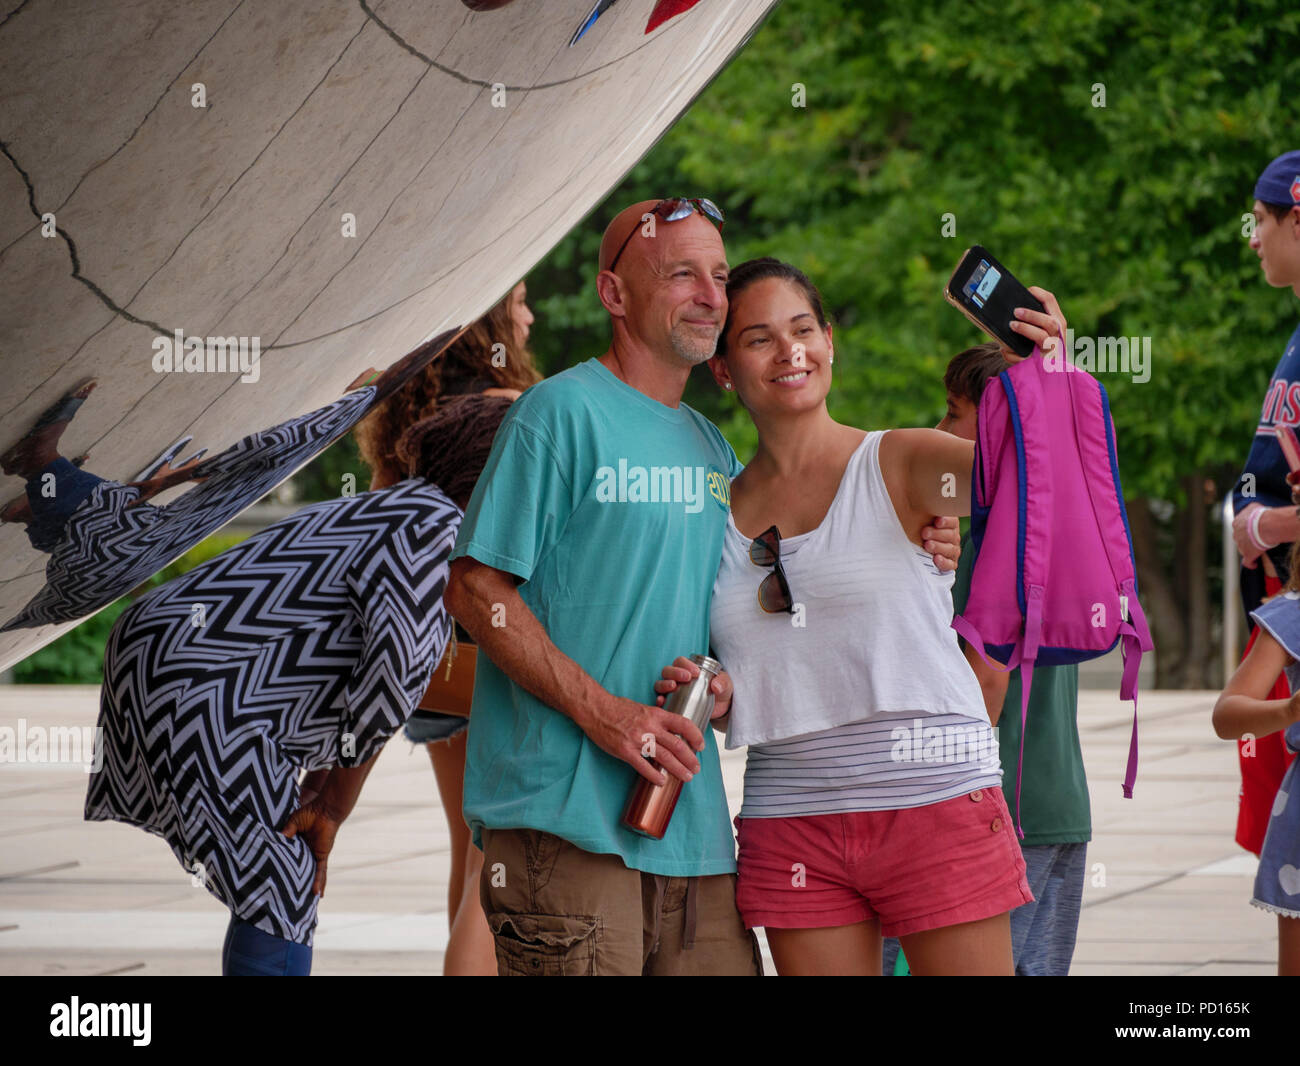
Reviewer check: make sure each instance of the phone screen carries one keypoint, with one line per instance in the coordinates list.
(983, 282)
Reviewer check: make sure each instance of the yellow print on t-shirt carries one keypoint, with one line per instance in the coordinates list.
(720, 487)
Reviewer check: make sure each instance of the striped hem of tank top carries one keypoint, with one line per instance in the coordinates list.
(890, 762)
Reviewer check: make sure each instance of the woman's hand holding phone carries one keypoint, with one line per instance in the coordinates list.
(1039, 327)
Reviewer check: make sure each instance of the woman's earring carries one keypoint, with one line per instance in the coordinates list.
(727, 386)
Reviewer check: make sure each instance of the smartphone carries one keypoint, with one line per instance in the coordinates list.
(1290, 445)
(987, 293)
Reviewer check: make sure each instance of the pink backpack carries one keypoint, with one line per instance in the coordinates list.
(1054, 580)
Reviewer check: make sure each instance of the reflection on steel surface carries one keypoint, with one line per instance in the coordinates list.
(222, 211)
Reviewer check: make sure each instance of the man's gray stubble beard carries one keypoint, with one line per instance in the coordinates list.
(691, 353)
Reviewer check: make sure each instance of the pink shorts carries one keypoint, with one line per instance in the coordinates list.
(915, 869)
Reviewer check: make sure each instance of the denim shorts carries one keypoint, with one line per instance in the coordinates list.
(429, 727)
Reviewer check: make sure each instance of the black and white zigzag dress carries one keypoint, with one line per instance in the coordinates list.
(109, 546)
(305, 646)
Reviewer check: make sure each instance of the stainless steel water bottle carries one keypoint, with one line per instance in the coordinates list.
(650, 806)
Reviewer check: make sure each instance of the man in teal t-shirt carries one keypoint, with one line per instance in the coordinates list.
(618, 572)
(605, 498)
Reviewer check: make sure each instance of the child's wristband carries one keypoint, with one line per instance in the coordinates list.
(1252, 530)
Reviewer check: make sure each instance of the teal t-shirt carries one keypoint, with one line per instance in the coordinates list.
(1054, 788)
(612, 507)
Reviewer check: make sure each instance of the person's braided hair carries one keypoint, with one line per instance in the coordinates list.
(451, 446)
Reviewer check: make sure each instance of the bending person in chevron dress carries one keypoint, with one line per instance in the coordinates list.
(304, 647)
(104, 538)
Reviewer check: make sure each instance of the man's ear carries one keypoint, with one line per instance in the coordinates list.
(612, 292)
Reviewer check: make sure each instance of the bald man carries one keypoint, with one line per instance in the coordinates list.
(584, 566)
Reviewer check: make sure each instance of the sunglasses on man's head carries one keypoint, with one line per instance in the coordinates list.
(774, 592)
(670, 210)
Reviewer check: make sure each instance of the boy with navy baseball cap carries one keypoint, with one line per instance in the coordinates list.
(1266, 521)
(1277, 222)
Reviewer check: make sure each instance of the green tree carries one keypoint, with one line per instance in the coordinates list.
(991, 113)
(326, 476)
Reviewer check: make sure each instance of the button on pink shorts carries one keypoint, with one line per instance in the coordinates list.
(915, 869)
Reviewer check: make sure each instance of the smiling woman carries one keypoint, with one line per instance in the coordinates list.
(804, 320)
(859, 637)
(806, 324)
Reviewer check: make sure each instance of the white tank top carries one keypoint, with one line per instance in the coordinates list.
(872, 630)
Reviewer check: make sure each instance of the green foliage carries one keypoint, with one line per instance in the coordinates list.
(322, 478)
(1130, 213)
(77, 657)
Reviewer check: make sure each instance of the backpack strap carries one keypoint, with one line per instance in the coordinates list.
(1025, 650)
(971, 636)
(1132, 645)
(1023, 655)
(1135, 636)
(1026, 682)
(983, 473)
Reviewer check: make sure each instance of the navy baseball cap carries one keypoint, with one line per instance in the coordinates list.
(1280, 182)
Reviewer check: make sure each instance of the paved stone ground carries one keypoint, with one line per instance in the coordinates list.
(1167, 891)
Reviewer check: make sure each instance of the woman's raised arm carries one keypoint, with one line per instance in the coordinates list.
(927, 472)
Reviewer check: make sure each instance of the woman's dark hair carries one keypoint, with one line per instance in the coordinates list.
(451, 446)
(753, 270)
(969, 371)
